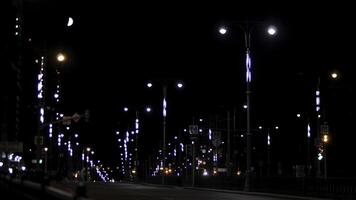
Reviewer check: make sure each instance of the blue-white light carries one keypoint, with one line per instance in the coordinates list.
(308, 134)
(248, 68)
(164, 107)
(42, 115)
(222, 30)
(50, 130)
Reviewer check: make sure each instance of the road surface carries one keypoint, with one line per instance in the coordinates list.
(122, 191)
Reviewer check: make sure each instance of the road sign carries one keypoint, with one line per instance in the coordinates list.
(14, 147)
(222, 169)
(67, 120)
(193, 129)
(324, 129)
(76, 117)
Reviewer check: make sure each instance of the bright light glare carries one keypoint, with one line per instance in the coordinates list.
(205, 173)
(245, 106)
(179, 85)
(60, 57)
(298, 115)
(272, 30)
(149, 85)
(222, 30)
(325, 138)
(148, 109)
(334, 75)
(70, 22)
(126, 109)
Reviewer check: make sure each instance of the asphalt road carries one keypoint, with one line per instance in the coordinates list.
(122, 191)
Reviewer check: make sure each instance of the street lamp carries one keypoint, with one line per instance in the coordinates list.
(134, 134)
(247, 29)
(61, 57)
(334, 75)
(179, 85)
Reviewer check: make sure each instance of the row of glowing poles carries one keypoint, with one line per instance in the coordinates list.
(13, 158)
(127, 156)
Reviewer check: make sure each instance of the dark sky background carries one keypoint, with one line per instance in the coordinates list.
(113, 48)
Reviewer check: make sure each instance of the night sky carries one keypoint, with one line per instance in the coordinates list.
(113, 48)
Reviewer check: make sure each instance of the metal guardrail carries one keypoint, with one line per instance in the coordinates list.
(30, 190)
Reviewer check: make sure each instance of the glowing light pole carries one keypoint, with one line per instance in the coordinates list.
(135, 171)
(164, 115)
(247, 36)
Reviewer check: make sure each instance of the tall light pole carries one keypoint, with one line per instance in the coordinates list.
(164, 114)
(322, 130)
(164, 123)
(137, 130)
(247, 36)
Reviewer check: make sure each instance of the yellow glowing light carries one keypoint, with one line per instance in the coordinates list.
(61, 57)
(325, 138)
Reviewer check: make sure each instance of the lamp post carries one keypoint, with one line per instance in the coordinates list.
(321, 139)
(147, 109)
(247, 37)
(164, 123)
(269, 141)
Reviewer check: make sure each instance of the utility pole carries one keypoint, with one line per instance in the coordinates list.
(228, 145)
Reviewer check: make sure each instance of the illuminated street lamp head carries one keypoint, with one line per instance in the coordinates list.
(180, 85)
(334, 75)
(88, 149)
(148, 109)
(126, 109)
(272, 30)
(298, 115)
(149, 85)
(61, 57)
(222, 30)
